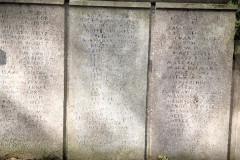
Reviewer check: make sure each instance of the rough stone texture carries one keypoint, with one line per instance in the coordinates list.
(235, 134)
(31, 94)
(193, 1)
(2, 57)
(177, 1)
(196, 6)
(108, 52)
(237, 149)
(35, 1)
(111, 3)
(190, 84)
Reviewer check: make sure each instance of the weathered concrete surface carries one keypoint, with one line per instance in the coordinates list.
(35, 1)
(190, 84)
(108, 54)
(108, 1)
(235, 132)
(31, 83)
(3, 57)
(171, 1)
(193, 1)
(195, 6)
(128, 4)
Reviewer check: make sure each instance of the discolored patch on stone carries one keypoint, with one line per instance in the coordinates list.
(2, 57)
(31, 94)
(190, 83)
(108, 54)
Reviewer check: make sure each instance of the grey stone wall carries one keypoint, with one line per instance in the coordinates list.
(108, 54)
(170, 1)
(190, 85)
(235, 139)
(31, 80)
(118, 80)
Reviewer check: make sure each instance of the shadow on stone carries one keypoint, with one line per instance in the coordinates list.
(27, 138)
(2, 57)
(237, 61)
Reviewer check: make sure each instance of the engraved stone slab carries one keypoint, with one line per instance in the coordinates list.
(193, 1)
(128, 4)
(108, 54)
(136, 1)
(35, 1)
(190, 83)
(196, 6)
(31, 71)
(108, 1)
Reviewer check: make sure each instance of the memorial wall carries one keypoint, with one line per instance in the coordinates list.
(31, 80)
(190, 83)
(193, 1)
(106, 80)
(34, 1)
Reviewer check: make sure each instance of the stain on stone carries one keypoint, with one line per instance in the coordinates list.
(2, 57)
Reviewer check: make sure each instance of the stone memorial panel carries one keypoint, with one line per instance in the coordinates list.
(108, 54)
(195, 6)
(35, 1)
(116, 3)
(31, 83)
(171, 1)
(193, 1)
(190, 84)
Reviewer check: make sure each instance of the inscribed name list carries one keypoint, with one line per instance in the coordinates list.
(190, 83)
(193, 1)
(108, 50)
(35, 1)
(31, 83)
